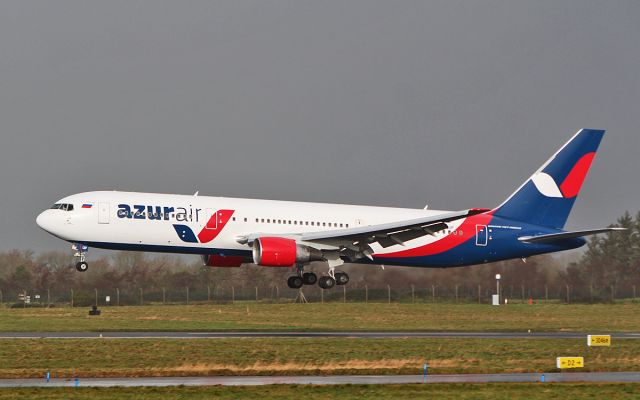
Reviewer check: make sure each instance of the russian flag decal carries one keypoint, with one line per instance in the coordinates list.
(87, 205)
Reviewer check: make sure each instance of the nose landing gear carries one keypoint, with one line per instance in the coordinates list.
(80, 254)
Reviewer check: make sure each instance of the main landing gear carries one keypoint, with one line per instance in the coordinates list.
(309, 278)
(80, 254)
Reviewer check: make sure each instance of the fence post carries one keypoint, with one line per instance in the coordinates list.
(277, 294)
(634, 293)
(322, 296)
(456, 293)
(48, 297)
(522, 289)
(413, 294)
(96, 292)
(344, 294)
(613, 296)
(164, 296)
(546, 294)
(433, 293)
(568, 299)
(117, 297)
(141, 299)
(233, 295)
(389, 293)
(366, 294)
(71, 298)
(187, 295)
(256, 293)
(479, 294)
(208, 293)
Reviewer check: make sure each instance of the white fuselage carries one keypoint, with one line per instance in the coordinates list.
(146, 221)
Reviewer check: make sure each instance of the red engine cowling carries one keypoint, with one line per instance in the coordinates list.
(215, 260)
(282, 252)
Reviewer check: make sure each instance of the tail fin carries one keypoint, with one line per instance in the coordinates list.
(547, 196)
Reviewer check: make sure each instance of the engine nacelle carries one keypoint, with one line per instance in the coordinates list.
(282, 252)
(216, 260)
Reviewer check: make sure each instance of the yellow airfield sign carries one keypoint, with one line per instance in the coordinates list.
(569, 362)
(599, 340)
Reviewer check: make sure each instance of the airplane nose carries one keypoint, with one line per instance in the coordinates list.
(44, 220)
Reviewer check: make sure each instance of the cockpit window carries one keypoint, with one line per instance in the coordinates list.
(62, 206)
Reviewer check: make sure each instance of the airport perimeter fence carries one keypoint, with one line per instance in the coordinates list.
(226, 294)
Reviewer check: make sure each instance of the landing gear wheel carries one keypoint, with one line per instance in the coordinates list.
(309, 278)
(294, 282)
(326, 282)
(80, 255)
(341, 278)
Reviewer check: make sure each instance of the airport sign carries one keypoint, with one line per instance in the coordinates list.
(569, 362)
(599, 340)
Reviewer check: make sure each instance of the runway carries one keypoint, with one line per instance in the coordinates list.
(327, 380)
(310, 334)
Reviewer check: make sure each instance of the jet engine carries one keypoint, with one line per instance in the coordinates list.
(282, 252)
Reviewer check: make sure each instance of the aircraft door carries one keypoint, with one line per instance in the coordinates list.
(482, 235)
(103, 213)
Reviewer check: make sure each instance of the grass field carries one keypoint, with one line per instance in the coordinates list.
(286, 356)
(343, 392)
(331, 317)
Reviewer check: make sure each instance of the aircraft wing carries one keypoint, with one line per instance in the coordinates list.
(355, 242)
(565, 235)
(392, 233)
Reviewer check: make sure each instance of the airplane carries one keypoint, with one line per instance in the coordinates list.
(230, 232)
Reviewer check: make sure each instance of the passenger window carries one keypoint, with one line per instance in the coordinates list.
(245, 220)
(262, 220)
(268, 220)
(234, 219)
(312, 223)
(306, 222)
(347, 225)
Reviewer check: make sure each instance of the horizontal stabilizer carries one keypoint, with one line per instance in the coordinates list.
(565, 235)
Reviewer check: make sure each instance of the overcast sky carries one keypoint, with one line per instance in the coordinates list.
(399, 103)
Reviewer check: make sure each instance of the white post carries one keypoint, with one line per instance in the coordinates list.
(496, 297)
